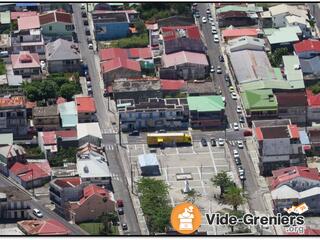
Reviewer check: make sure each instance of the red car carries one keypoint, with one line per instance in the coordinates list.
(247, 133)
(119, 203)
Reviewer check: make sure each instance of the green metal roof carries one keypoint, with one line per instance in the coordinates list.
(294, 75)
(284, 35)
(259, 100)
(68, 114)
(239, 9)
(5, 17)
(277, 73)
(271, 84)
(205, 103)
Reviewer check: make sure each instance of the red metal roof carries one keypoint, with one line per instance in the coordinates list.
(170, 33)
(85, 105)
(12, 101)
(258, 134)
(29, 22)
(239, 32)
(93, 190)
(16, 15)
(29, 171)
(43, 227)
(68, 182)
(67, 133)
(49, 138)
(173, 85)
(293, 131)
(307, 45)
(124, 53)
(55, 16)
(313, 100)
(25, 59)
(117, 63)
(284, 175)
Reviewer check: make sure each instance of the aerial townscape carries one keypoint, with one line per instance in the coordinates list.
(113, 114)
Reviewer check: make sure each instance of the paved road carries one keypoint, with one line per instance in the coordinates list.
(315, 11)
(47, 213)
(104, 117)
(251, 184)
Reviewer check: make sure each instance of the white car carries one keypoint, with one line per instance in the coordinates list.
(240, 144)
(37, 213)
(213, 28)
(83, 6)
(214, 31)
(235, 153)
(216, 38)
(234, 96)
(212, 69)
(219, 70)
(221, 142)
(204, 20)
(239, 110)
(213, 24)
(208, 11)
(90, 46)
(211, 19)
(236, 126)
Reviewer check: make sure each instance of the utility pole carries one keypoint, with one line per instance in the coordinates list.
(119, 123)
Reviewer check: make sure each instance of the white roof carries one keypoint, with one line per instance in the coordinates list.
(149, 159)
(92, 165)
(246, 43)
(284, 8)
(297, 19)
(286, 192)
(166, 134)
(85, 129)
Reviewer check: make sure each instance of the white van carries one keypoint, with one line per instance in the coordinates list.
(216, 38)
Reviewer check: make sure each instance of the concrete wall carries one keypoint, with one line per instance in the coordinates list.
(58, 29)
(110, 76)
(111, 31)
(61, 66)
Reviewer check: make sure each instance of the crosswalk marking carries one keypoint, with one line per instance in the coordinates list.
(109, 147)
(115, 176)
(106, 131)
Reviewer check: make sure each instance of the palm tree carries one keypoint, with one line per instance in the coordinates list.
(222, 180)
(234, 197)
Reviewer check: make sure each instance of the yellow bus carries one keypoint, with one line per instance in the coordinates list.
(168, 138)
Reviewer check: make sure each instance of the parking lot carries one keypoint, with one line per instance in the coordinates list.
(196, 163)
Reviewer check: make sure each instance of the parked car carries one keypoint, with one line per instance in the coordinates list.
(241, 119)
(90, 46)
(213, 24)
(83, 6)
(227, 78)
(4, 54)
(236, 126)
(210, 19)
(87, 31)
(134, 133)
(119, 203)
(37, 213)
(221, 59)
(204, 142)
(240, 144)
(162, 131)
(237, 161)
(84, 14)
(239, 110)
(219, 70)
(213, 142)
(120, 211)
(234, 96)
(247, 133)
(221, 142)
(85, 22)
(212, 69)
(204, 20)
(124, 227)
(235, 153)
(197, 14)
(216, 38)
(231, 89)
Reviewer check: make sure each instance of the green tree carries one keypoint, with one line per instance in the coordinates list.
(48, 89)
(155, 204)
(68, 90)
(312, 22)
(108, 220)
(223, 181)
(32, 92)
(141, 28)
(234, 197)
(275, 58)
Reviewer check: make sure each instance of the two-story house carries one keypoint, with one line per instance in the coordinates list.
(13, 115)
(28, 37)
(46, 118)
(278, 143)
(63, 56)
(86, 108)
(14, 204)
(155, 114)
(26, 64)
(9, 155)
(56, 24)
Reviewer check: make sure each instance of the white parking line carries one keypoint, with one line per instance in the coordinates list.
(211, 156)
(193, 150)
(202, 184)
(177, 150)
(144, 150)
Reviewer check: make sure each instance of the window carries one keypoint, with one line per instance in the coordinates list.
(50, 28)
(69, 27)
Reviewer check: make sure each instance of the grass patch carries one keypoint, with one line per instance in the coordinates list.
(94, 228)
(2, 67)
(64, 155)
(315, 88)
(34, 152)
(135, 41)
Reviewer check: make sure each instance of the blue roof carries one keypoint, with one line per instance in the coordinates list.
(311, 65)
(304, 138)
(27, 4)
(149, 159)
(68, 114)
